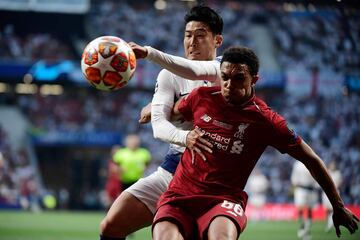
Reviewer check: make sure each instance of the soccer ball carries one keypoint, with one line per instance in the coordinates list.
(108, 63)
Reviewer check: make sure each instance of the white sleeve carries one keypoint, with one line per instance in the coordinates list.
(189, 69)
(161, 109)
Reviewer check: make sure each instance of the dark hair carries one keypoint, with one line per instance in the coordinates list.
(206, 15)
(242, 55)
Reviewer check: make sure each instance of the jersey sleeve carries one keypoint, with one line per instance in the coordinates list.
(282, 136)
(161, 109)
(187, 104)
(189, 69)
(164, 90)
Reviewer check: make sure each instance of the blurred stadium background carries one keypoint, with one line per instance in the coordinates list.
(56, 132)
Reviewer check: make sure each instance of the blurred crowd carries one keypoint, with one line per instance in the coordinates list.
(84, 110)
(32, 47)
(330, 39)
(18, 185)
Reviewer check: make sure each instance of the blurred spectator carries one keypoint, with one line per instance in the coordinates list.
(132, 160)
(305, 197)
(336, 177)
(113, 184)
(257, 186)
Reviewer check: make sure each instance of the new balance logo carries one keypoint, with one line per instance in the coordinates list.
(206, 118)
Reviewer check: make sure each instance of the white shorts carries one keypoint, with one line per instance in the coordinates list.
(305, 197)
(149, 189)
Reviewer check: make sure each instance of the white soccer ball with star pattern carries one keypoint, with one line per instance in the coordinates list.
(108, 63)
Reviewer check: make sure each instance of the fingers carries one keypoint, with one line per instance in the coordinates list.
(140, 52)
(207, 145)
(192, 156)
(354, 226)
(197, 144)
(204, 147)
(338, 232)
(144, 119)
(351, 229)
(356, 218)
(202, 142)
(198, 151)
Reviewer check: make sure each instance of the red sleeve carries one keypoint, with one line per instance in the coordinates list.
(283, 137)
(187, 105)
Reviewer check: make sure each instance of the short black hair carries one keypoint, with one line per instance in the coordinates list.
(242, 55)
(206, 15)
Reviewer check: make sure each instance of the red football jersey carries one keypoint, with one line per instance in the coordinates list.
(239, 134)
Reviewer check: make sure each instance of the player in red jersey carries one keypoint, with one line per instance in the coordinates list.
(205, 199)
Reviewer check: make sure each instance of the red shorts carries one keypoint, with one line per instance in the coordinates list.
(194, 214)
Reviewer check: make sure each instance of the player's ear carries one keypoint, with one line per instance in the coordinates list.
(254, 79)
(218, 40)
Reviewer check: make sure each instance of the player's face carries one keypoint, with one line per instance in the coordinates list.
(199, 42)
(236, 82)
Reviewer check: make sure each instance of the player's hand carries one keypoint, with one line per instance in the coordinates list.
(140, 52)
(145, 114)
(343, 216)
(197, 144)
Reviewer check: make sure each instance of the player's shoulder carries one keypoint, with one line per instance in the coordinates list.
(263, 109)
(166, 76)
(260, 105)
(208, 90)
(165, 72)
(205, 91)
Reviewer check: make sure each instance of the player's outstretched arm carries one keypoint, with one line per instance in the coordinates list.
(189, 69)
(342, 216)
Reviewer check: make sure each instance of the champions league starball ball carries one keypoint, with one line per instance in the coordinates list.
(108, 63)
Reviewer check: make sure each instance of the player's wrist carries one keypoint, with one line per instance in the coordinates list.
(184, 136)
(149, 52)
(339, 205)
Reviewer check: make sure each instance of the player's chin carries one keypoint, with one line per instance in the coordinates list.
(193, 57)
(226, 96)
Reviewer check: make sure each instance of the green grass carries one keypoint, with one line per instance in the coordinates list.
(84, 226)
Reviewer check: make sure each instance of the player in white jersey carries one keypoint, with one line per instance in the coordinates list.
(135, 207)
(305, 197)
(337, 178)
(257, 186)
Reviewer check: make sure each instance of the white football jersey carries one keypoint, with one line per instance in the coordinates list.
(169, 88)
